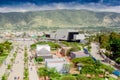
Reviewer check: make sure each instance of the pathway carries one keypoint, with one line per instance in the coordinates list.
(3, 67)
(18, 66)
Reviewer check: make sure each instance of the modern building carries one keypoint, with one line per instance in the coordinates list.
(60, 64)
(43, 51)
(78, 54)
(79, 37)
(67, 35)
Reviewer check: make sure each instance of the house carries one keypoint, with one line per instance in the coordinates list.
(43, 51)
(66, 35)
(64, 50)
(78, 54)
(60, 64)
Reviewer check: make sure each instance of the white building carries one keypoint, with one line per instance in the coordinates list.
(43, 51)
(40, 47)
(60, 64)
(80, 37)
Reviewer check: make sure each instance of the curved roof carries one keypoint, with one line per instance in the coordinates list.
(43, 51)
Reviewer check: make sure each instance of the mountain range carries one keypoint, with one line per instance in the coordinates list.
(58, 18)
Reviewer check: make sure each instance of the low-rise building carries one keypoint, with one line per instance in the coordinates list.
(60, 64)
(43, 51)
(78, 54)
(64, 50)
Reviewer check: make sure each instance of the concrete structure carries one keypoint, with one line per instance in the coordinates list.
(67, 35)
(43, 51)
(78, 54)
(60, 64)
(79, 37)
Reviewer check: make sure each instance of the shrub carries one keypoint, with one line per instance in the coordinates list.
(9, 66)
(107, 68)
(68, 78)
(39, 59)
(4, 77)
(81, 77)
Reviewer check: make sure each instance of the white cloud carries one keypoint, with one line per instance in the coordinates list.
(32, 7)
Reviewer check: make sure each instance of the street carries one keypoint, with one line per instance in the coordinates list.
(95, 50)
(17, 70)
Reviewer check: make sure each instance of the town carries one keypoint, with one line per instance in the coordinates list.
(64, 54)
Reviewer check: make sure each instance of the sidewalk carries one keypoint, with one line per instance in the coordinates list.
(18, 66)
(3, 67)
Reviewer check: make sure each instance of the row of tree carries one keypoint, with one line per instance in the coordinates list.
(5, 46)
(111, 42)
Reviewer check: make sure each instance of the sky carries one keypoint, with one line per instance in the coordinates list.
(35, 5)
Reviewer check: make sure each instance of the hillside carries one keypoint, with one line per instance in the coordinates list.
(58, 18)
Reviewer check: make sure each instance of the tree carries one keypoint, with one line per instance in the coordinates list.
(104, 40)
(118, 60)
(1, 49)
(43, 72)
(4, 77)
(115, 47)
(52, 73)
(84, 60)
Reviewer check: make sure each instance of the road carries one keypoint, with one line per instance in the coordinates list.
(18, 66)
(32, 68)
(94, 51)
(4, 66)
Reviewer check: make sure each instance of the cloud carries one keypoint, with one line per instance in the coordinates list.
(54, 6)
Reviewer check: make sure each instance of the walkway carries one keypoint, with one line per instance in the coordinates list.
(3, 67)
(18, 66)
